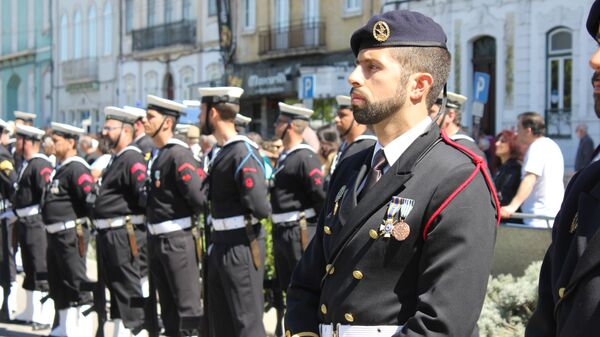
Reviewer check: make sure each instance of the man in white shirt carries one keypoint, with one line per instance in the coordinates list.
(541, 189)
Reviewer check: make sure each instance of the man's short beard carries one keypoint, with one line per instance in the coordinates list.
(373, 113)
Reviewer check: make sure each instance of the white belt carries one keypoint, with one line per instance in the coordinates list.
(118, 221)
(28, 211)
(63, 226)
(234, 222)
(339, 330)
(293, 216)
(170, 226)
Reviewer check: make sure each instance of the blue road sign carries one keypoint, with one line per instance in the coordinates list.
(308, 86)
(481, 87)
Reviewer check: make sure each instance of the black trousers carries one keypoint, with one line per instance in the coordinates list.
(235, 290)
(32, 240)
(141, 232)
(174, 268)
(287, 249)
(8, 268)
(67, 269)
(120, 271)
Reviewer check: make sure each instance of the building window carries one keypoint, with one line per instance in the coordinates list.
(151, 82)
(151, 13)
(249, 14)
(212, 7)
(186, 76)
(559, 93)
(64, 38)
(168, 11)
(130, 94)
(128, 16)
(352, 6)
(186, 8)
(107, 13)
(92, 32)
(77, 35)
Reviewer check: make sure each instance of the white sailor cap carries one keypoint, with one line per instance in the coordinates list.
(4, 125)
(138, 112)
(121, 115)
(165, 106)
(182, 129)
(221, 94)
(242, 120)
(295, 112)
(343, 101)
(66, 130)
(455, 101)
(26, 116)
(29, 132)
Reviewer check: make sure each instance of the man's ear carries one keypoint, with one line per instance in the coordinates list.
(420, 86)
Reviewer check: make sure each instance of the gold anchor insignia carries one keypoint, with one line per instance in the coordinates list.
(381, 31)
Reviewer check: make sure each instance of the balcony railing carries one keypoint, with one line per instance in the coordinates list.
(80, 70)
(558, 123)
(165, 35)
(307, 35)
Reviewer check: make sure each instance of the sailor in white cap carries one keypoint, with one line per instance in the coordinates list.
(8, 177)
(450, 121)
(175, 196)
(355, 136)
(140, 138)
(241, 123)
(297, 192)
(34, 175)
(119, 220)
(65, 215)
(238, 194)
(26, 118)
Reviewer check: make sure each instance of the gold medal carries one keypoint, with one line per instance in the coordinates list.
(401, 230)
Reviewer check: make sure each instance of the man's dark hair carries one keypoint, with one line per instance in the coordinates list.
(227, 111)
(534, 121)
(435, 61)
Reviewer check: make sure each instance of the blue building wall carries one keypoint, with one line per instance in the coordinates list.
(16, 65)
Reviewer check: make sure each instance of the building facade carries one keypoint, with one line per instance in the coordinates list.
(85, 58)
(25, 59)
(169, 48)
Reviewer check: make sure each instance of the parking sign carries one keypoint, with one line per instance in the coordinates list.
(481, 87)
(308, 86)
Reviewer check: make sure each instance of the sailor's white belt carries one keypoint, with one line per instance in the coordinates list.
(293, 216)
(340, 330)
(170, 226)
(63, 226)
(118, 221)
(234, 222)
(28, 211)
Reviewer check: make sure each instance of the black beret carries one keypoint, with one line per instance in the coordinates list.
(399, 28)
(593, 19)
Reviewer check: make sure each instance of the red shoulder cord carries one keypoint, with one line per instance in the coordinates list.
(480, 165)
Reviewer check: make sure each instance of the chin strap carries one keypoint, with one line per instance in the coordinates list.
(343, 135)
(160, 127)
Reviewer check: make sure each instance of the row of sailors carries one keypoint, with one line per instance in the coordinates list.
(154, 200)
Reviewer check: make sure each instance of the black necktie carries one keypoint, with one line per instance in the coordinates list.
(375, 173)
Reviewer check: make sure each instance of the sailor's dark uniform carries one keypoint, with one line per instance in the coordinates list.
(174, 198)
(297, 197)
(8, 177)
(117, 217)
(34, 176)
(346, 150)
(65, 215)
(238, 195)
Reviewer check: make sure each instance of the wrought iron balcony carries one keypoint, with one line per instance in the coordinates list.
(292, 38)
(165, 35)
(80, 70)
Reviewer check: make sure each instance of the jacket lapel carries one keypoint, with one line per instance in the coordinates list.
(390, 184)
(589, 212)
(348, 202)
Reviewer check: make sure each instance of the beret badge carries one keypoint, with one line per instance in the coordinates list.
(381, 31)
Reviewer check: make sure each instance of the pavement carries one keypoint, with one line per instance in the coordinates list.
(19, 330)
